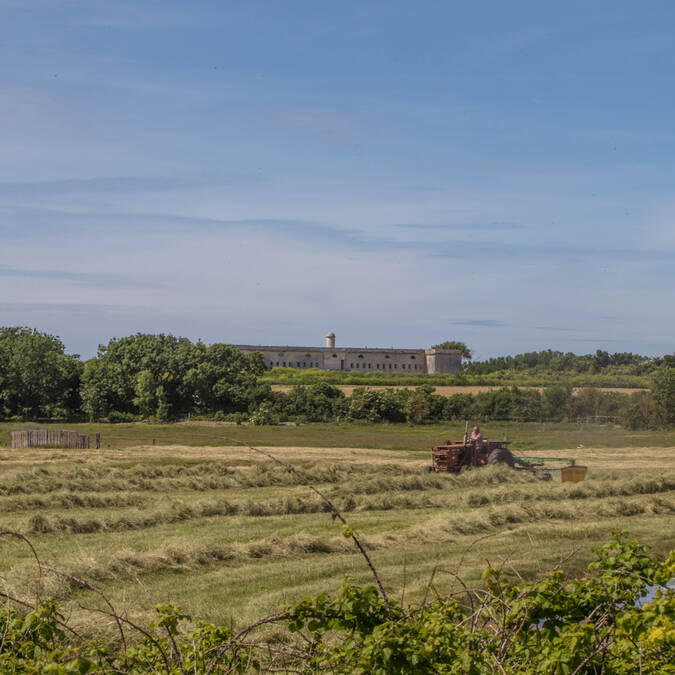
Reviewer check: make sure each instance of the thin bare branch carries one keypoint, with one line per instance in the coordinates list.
(335, 513)
(273, 618)
(98, 591)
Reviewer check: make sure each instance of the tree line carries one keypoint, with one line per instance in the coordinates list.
(620, 363)
(164, 378)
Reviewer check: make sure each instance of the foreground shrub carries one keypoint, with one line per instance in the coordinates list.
(593, 624)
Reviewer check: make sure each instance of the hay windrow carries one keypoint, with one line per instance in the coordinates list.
(197, 531)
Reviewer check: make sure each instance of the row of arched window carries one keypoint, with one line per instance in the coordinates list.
(384, 366)
(297, 364)
(358, 364)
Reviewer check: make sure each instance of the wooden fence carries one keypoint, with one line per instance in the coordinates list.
(49, 438)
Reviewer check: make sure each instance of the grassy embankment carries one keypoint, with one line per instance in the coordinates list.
(447, 390)
(504, 378)
(219, 531)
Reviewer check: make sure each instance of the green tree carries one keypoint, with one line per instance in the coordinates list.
(454, 344)
(377, 405)
(556, 402)
(110, 381)
(314, 403)
(37, 378)
(663, 393)
(166, 377)
(459, 407)
(146, 393)
(226, 379)
(417, 408)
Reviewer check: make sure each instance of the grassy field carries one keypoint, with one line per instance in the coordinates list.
(215, 528)
(502, 378)
(448, 390)
(526, 436)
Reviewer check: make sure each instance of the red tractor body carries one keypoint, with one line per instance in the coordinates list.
(454, 456)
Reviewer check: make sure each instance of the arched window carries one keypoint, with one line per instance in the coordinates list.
(412, 357)
(386, 356)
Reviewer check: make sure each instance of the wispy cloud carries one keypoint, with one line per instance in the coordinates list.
(566, 253)
(117, 184)
(556, 329)
(67, 308)
(88, 279)
(484, 323)
(28, 222)
(461, 226)
(599, 340)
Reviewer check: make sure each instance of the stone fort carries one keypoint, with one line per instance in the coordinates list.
(330, 357)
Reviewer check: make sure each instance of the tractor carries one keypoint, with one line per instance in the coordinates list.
(460, 456)
(463, 455)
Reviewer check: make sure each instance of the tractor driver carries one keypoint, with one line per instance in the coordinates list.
(478, 445)
(477, 439)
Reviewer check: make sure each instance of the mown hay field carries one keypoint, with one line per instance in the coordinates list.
(227, 535)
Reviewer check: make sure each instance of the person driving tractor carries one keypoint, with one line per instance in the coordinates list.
(477, 438)
(479, 448)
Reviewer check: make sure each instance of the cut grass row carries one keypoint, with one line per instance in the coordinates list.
(349, 497)
(128, 565)
(527, 510)
(262, 540)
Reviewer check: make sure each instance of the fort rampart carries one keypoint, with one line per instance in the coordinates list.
(330, 357)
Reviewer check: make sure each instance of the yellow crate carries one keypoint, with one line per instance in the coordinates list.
(573, 474)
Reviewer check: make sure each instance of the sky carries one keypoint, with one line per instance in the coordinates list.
(400, 173)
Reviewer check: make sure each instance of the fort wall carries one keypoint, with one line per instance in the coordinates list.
(353, 359)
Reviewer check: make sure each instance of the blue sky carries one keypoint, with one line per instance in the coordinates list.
(400, 173)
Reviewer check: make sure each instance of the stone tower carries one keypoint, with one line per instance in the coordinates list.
(330, 340)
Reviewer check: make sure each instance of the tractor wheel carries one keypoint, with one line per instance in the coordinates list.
(429, 469)
(501, 456)
(546, 476)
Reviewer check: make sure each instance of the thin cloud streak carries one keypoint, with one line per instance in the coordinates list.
(19, 221)
(487, 227)
(483, 323)
(117, 185)
(91, 280)
(85, 309)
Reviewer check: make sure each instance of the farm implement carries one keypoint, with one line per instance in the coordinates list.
(465, 455)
